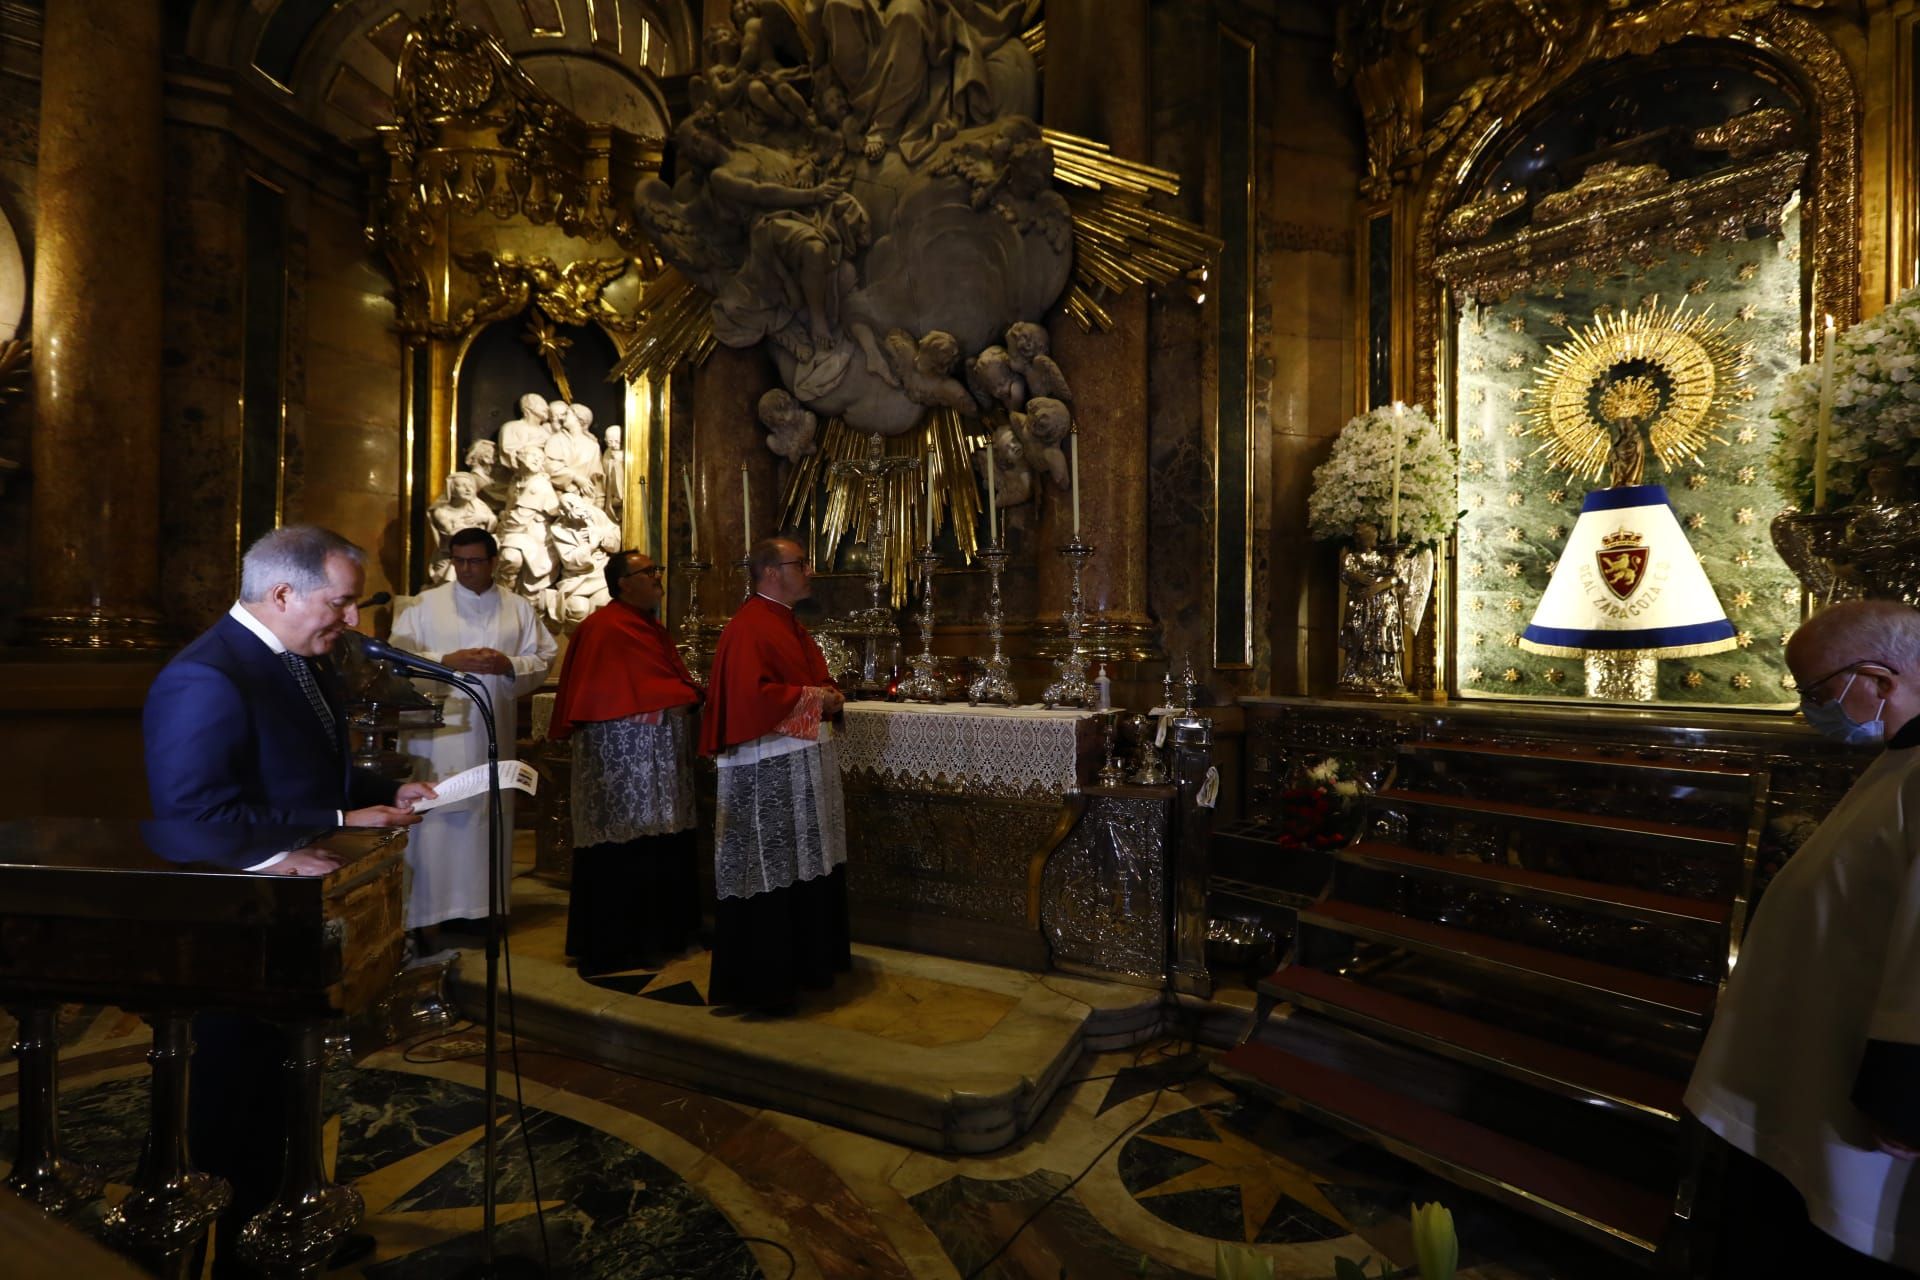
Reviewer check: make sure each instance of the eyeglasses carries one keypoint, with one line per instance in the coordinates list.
(1806, 690)
(471, 560)
(781, 564)
(651, 571)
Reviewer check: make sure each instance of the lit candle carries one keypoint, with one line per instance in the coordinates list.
(1399, 432)
(1075, 434)
(993, 511)
(1825, 430)
(746, 513)
(693, 517)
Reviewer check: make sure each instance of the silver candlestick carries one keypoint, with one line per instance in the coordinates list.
(1072, 689)
(692, 643)
(925, 684)
(993, 685)
(875, 622)
(745, 565)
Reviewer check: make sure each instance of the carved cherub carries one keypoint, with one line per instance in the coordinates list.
(1013, 481)
(767, 31)
(993, 381)
(1041, 428)
(924, 370)
(1027, 349)
(790, 425)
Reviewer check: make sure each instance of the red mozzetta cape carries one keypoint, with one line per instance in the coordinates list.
(620, 664)
(764, 663)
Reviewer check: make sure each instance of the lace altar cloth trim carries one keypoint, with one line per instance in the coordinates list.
(1020, 751)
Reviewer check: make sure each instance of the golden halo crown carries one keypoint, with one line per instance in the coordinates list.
(1620, 538)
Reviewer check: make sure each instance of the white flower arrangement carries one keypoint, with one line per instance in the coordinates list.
(1876, 407)
(1355, 484)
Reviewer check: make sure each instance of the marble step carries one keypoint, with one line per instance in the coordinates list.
(1555, 1068)
(1576, 978)
(1645, 829)
(1631, 1220)
(872, 1056)
(1544, 886)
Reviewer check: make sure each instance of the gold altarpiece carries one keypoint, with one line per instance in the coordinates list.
(490, 200)
(1446, 87)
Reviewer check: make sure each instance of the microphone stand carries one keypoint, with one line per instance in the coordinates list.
(491, 1266)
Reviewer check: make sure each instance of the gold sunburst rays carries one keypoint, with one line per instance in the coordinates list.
(673, 326)
(1678, 368)
(1119, 242)
(945, 442)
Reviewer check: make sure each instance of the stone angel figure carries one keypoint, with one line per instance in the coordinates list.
(1041, 430)
(1027, 346)
(995, 382)
(1013, 479)
(1379, 583)
(790, 425)
(924, 370)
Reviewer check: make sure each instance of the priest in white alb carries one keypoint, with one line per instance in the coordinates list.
(471, 625)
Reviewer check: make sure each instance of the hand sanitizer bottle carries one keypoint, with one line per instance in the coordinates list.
(1105, 686)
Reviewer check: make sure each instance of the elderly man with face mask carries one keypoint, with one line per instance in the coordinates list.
(1811, 1070)
(627, 701)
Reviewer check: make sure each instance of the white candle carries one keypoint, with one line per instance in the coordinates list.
(693, 517)
(1825, 430)
(746, 513)
(1075, 434)
(993, 513)
(927, 465)
(1399, 431)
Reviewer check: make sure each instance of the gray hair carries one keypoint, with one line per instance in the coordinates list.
(297, 556)
(1882, 631)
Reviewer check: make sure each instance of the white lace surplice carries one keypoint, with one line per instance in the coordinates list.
(632, 778)
(780, 817)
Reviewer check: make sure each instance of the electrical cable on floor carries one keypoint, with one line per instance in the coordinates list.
(520, 1101)
(1051, 1200)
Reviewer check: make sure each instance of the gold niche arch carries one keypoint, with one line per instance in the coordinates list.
(489, 198)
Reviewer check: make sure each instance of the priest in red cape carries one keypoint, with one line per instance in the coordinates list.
(780, 834)
(627, 701)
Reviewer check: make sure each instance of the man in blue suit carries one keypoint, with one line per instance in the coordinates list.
(242, 728)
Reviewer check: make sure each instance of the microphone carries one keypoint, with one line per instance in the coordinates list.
(381, 651)
(375, 600)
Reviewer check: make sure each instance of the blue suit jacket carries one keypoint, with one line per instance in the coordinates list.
(230, 737)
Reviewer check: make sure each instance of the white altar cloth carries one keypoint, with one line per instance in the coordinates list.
(951, 746)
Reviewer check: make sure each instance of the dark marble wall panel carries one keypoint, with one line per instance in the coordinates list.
(19, 147)
(200, 362)
(1302, 376)
(345, 466)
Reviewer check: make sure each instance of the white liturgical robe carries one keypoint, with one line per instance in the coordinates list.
(447, 851)
(1830, 961)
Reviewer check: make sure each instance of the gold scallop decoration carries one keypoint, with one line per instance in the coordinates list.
(1677, 369)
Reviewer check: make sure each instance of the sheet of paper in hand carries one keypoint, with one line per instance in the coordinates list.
(473, 782)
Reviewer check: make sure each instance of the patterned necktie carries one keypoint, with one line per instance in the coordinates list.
(311, 687)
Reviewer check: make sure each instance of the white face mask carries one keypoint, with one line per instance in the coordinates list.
(1831, 719)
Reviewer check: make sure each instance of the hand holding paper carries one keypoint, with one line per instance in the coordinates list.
(473, 782)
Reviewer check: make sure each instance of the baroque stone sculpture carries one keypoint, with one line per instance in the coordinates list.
(872, 199)
(551, 492)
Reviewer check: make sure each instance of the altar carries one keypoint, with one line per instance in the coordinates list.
(982, 833)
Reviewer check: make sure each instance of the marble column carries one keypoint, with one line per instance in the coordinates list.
(1097, 85)
(97, 329)
(727, 434)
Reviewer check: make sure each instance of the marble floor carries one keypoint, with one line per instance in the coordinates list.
(1139, 1165)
